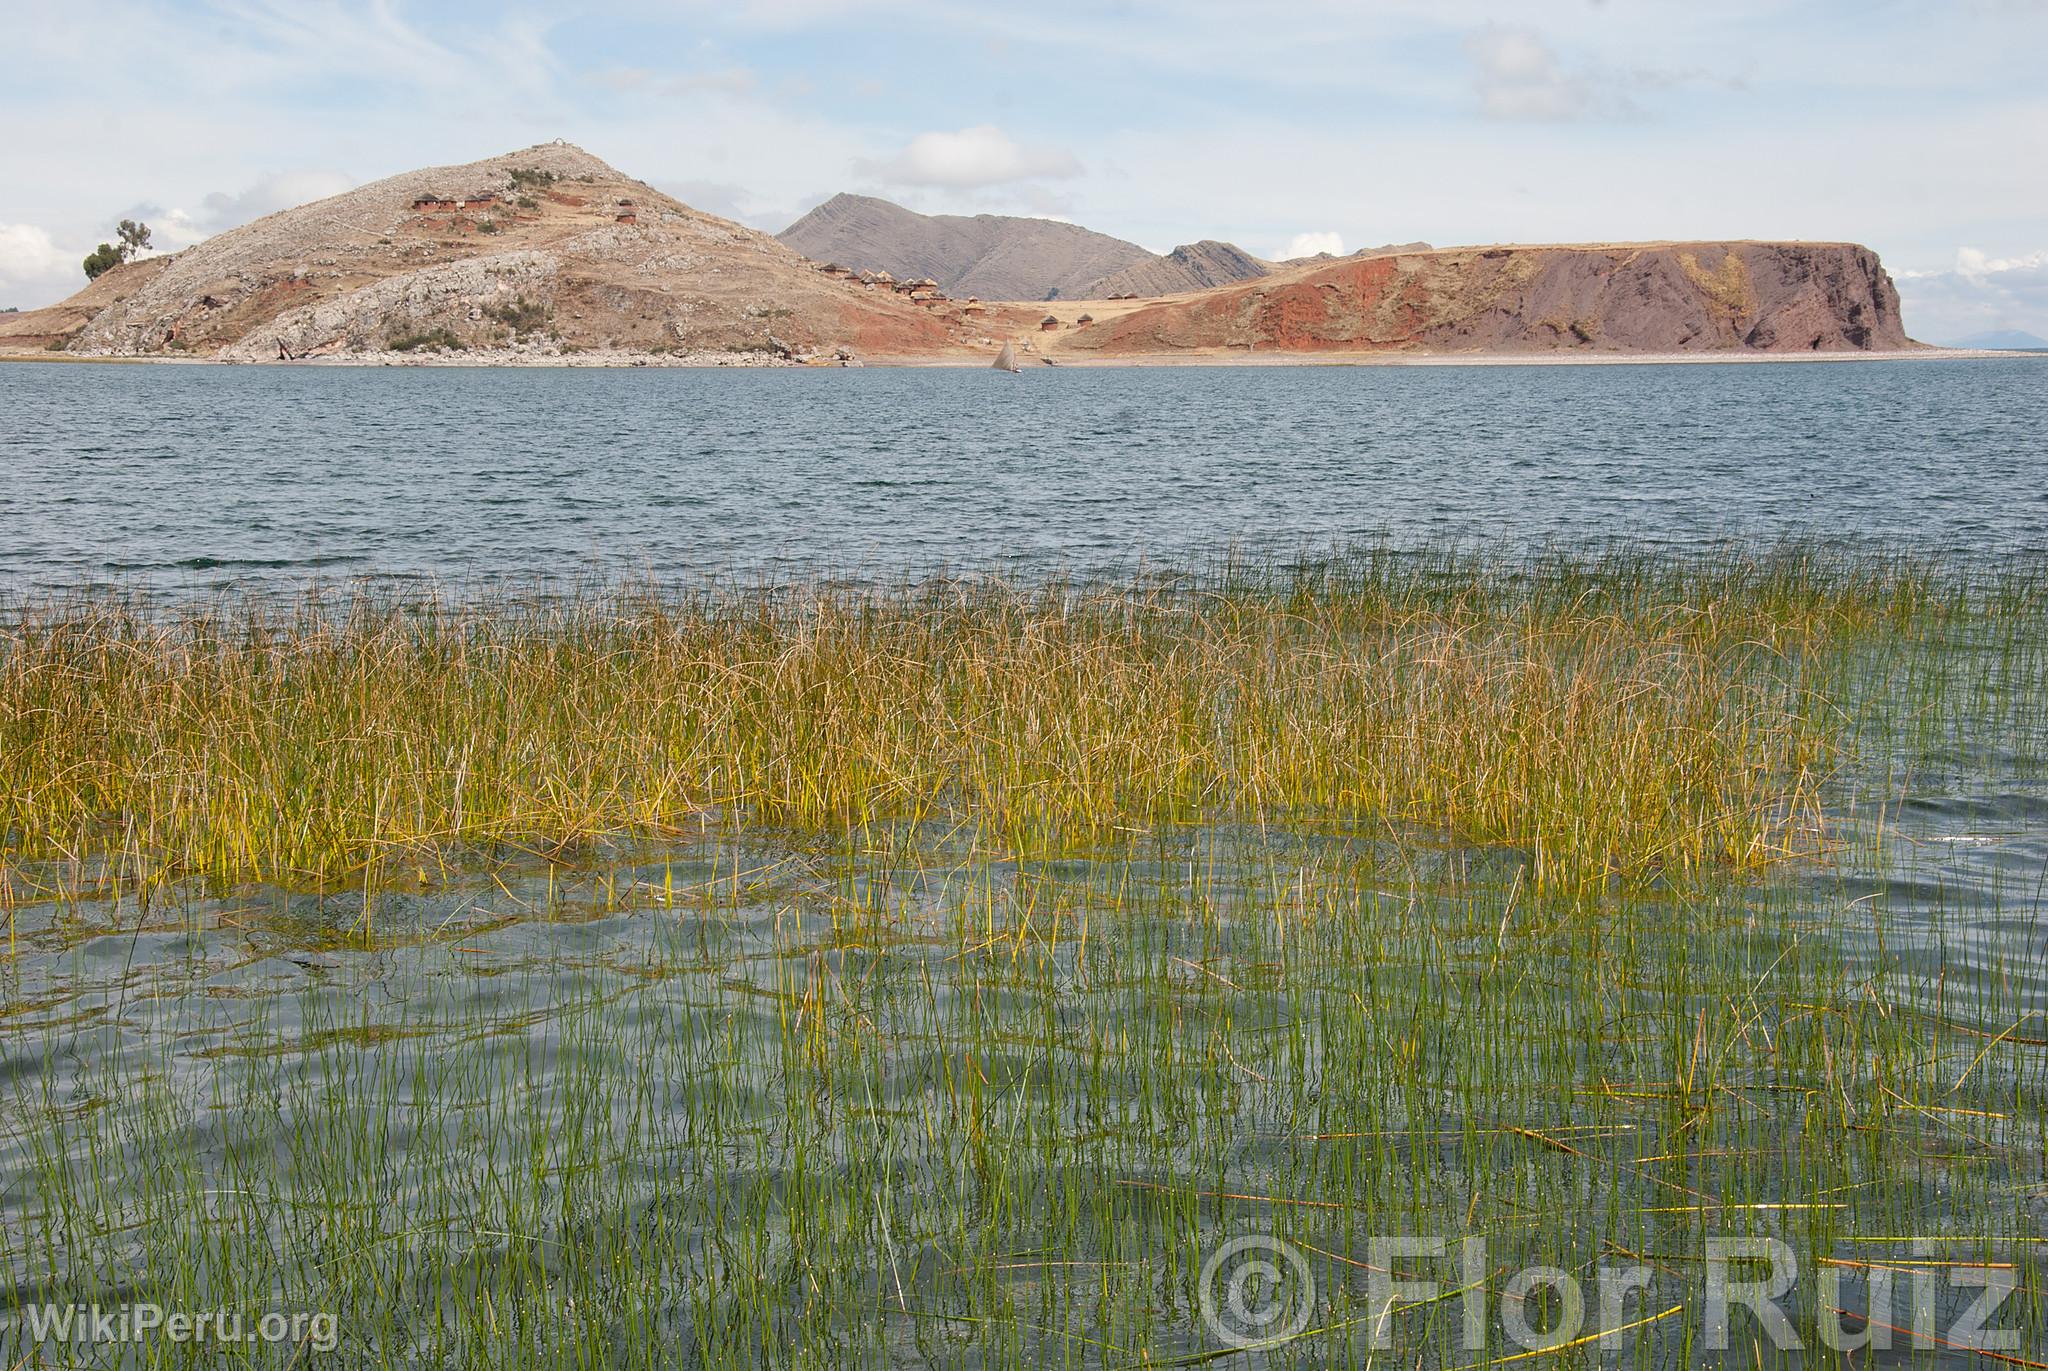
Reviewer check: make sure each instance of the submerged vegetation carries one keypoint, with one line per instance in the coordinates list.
(940, 974)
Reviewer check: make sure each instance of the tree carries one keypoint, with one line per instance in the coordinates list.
(134, 239)
(103, 259)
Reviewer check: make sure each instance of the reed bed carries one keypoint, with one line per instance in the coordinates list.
(1618, 722)
(985, 957)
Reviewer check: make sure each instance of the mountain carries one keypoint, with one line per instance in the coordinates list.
(993, 256)
(550, 251)
(1652, 297)
(1193, 266)
(2003, 340)
(546, 249)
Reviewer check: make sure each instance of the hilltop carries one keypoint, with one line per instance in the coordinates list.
(546, 249)
(1005, 257)
(993, 256)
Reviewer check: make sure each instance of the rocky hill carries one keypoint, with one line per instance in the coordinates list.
(49, 329)
(1192, 266)
(993, 256)
(547, 252)
(547, 249)
(1659, 297)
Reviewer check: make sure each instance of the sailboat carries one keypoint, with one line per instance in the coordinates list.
(1006, 360)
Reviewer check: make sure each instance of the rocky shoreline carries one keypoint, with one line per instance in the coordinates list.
(615, 357)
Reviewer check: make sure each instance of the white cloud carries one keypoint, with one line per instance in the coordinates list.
(34, 271)
(175, 227)
(1981, 294)
(980, 156)
(267, 195)
(1519, 76)
(1309, 244)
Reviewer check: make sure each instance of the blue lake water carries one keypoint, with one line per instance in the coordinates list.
(195, 478)
(738, 1072)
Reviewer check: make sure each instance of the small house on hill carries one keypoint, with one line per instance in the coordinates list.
(1048, 324)
(1085, 319)
(442, 204)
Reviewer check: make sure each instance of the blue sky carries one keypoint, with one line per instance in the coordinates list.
(1919, 127)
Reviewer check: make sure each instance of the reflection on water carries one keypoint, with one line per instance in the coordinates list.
(752, 1093)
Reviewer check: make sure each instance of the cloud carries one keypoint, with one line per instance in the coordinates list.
(1981, 294)
(34, 271)
(980, 156)
(174, 227)
(1519, 76)
(1309, 244)
(267, 195)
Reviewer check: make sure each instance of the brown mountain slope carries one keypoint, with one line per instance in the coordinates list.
(1192, 266)
(548, 248)
(994, 256)
(55, 324)
(1669, 297)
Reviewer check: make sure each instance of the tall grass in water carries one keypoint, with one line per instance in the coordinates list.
(1621, 721)
(986, 1081)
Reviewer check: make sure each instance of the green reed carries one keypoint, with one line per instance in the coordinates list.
(1620, 721)
(844, 1080)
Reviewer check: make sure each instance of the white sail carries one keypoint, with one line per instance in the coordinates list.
(1006, 360)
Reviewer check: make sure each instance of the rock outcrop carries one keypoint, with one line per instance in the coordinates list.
(547, 249)
(1660, 297)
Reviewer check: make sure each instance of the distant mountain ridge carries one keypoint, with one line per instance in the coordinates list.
(993, 256)
(1006, 257)
(2003, 340)
(1192, 266)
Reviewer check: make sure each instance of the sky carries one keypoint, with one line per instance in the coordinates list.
(1918, 127)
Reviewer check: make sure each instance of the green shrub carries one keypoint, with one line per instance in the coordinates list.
(434, 340)
(522, 315)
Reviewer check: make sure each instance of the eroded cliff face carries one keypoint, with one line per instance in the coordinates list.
(1667, 297)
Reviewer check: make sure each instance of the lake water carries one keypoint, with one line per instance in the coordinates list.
(196, 478)
(777, 1098)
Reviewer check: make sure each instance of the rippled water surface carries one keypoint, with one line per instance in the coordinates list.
(199, 476)
(812, 1099)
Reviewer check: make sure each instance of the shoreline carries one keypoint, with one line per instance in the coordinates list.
(767, 361)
